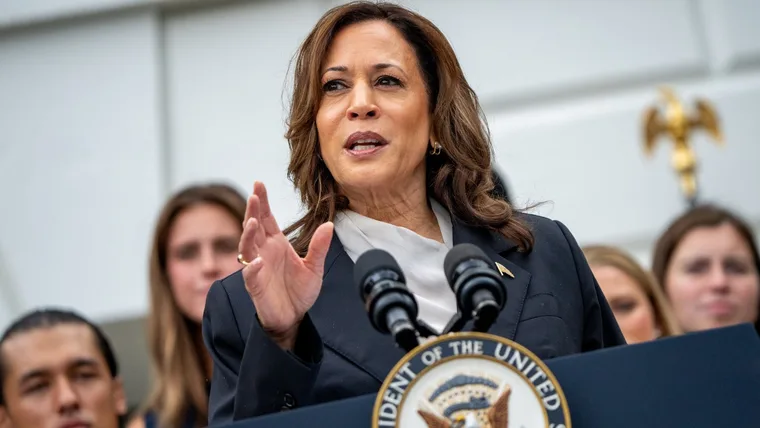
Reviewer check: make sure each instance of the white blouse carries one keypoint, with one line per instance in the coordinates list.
(420, 258)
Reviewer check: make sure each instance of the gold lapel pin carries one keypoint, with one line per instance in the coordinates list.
(504, 271)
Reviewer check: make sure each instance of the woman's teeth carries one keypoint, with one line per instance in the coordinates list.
(362, 145)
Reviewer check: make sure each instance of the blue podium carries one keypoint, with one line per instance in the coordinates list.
(709, 379)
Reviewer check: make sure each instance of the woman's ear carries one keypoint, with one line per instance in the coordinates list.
(433, 137)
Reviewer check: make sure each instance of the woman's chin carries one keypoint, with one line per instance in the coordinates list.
(369, 179)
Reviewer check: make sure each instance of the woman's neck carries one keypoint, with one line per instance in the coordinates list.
(408, 209)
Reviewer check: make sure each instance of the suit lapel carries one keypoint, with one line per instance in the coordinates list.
(342, 320)
(498, 249)
(343, 323)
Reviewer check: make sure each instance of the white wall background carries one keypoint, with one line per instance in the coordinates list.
(106, 106)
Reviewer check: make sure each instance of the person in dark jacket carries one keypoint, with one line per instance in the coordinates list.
(388, 151)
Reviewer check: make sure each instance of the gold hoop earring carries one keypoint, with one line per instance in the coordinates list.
(436, 149)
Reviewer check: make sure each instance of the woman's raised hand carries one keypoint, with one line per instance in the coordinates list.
(282, 285)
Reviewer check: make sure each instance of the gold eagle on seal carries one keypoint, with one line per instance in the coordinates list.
(467, 402)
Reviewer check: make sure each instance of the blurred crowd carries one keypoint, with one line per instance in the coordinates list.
(704, 274)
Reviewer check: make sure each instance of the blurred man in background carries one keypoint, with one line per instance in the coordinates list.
(57, 370)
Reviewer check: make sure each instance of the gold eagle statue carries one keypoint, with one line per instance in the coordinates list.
(677, 124)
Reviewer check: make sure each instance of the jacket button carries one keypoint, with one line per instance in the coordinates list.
(288, 401)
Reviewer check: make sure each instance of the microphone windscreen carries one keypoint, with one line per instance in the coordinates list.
(372, 261)
(459, 254)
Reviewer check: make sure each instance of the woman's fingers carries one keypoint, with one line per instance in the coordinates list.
(248, 209)
(247, 247)
(265, 211)
(253, 212)
(259, 239)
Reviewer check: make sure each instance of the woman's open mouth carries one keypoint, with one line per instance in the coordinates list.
(364, 143)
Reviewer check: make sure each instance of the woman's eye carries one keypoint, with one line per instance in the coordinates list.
(333, 85)
(187, 252)
(737, 267)
(388, 81)
(226, 246)
(623, 307)
(698, 267)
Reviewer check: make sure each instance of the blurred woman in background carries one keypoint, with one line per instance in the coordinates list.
(639, 305)
(194, 244)
(707, 262)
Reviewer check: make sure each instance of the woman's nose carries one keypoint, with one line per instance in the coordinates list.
(209, 264)
(718, 280)
(362, 103)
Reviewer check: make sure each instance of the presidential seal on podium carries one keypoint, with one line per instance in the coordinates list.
(450, 378)
(470, 380)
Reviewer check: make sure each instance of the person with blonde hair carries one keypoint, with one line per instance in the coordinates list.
(640, 307)
(194, 244)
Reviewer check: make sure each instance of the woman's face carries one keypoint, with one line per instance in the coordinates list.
(202, 247)
(633, 310)
(712, 280)
(373, 120)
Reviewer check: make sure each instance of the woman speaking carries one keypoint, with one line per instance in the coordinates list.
(388, 150)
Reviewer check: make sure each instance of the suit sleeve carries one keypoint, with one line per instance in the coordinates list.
(600, 329)
(252, 375)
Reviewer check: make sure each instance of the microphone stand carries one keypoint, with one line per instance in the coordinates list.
(455, 325)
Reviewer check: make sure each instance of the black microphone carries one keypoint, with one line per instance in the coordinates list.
(480, 291)
(391, 306)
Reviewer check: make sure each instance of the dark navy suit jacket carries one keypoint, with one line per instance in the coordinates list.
(554, 308)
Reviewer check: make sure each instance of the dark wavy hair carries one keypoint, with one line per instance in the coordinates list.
(460, 178)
